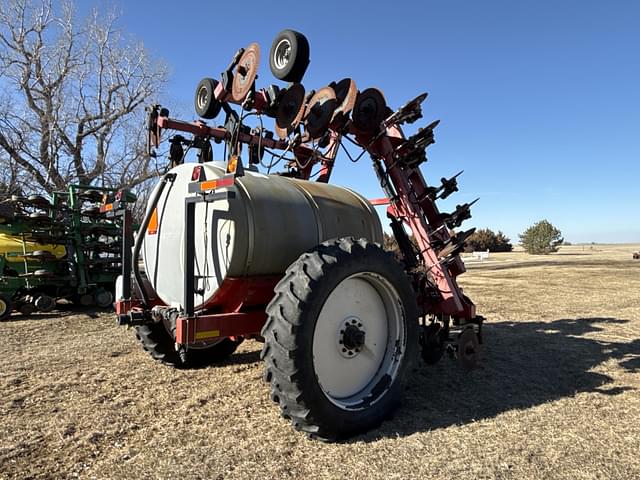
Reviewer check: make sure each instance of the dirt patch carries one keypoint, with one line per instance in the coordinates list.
(556, 395)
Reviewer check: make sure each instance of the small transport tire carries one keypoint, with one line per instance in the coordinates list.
(6, 307)
(341, 334)
(45, 303)
(160, 343)
(86, 300)
(205, 101)
(25, 308)
(289, 56)
(103, 298)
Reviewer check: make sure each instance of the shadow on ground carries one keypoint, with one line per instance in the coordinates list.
(62, 310)
(524, 364)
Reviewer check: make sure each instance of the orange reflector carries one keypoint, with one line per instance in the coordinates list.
(225, 181)
(233, 164)
(152, 229)
(208, 185)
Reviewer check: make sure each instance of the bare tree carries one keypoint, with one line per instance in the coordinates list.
(10, 181)
(72, 98)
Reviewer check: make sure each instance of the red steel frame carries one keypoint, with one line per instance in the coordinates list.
(309, 156)
(419, 212)
(238, 306)
(241, 303)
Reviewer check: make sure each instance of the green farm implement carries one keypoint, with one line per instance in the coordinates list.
(66, 246)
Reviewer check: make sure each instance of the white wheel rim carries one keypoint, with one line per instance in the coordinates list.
(349, 381)
(282, 54)
(203, 97)
(3, 307)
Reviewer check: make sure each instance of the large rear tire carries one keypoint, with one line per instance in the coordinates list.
(340, 336)
(160, 344)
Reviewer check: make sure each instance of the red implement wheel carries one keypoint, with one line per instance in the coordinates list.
(340, 336)
(290, 110)
(319, 112)
(369, 111)
(246, 72)
(346, 94)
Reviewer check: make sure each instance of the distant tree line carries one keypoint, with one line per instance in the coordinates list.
(481, 240)
(486, 239)
(539, 239)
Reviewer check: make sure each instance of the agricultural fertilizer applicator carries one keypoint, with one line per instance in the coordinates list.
(231, 253)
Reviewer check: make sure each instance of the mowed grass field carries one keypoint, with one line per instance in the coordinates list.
(556, 395)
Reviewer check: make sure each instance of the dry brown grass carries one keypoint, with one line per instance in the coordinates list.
(556, 395)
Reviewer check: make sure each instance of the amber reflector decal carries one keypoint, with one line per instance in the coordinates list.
(152, 229)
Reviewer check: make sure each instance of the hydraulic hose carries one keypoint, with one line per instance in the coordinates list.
(168, 177)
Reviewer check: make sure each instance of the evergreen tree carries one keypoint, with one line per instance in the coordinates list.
(541, 238)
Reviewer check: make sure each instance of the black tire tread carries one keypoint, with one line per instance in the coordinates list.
(7, 300)
(213, 107)
(285, 314)
(295, 72)
(157, 341)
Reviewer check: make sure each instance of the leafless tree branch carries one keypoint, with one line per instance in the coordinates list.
(71, 97)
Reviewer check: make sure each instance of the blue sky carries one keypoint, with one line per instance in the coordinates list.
(539, 101)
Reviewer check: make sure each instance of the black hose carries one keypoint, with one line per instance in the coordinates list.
(141, 234)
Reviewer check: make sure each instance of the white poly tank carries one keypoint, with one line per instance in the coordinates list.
(271, 221)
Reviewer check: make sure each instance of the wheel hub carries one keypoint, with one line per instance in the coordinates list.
(282, 54)
(358, 340)
(203, 97)
(351, 337)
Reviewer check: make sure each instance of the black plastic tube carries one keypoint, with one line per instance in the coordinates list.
(142, 231)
